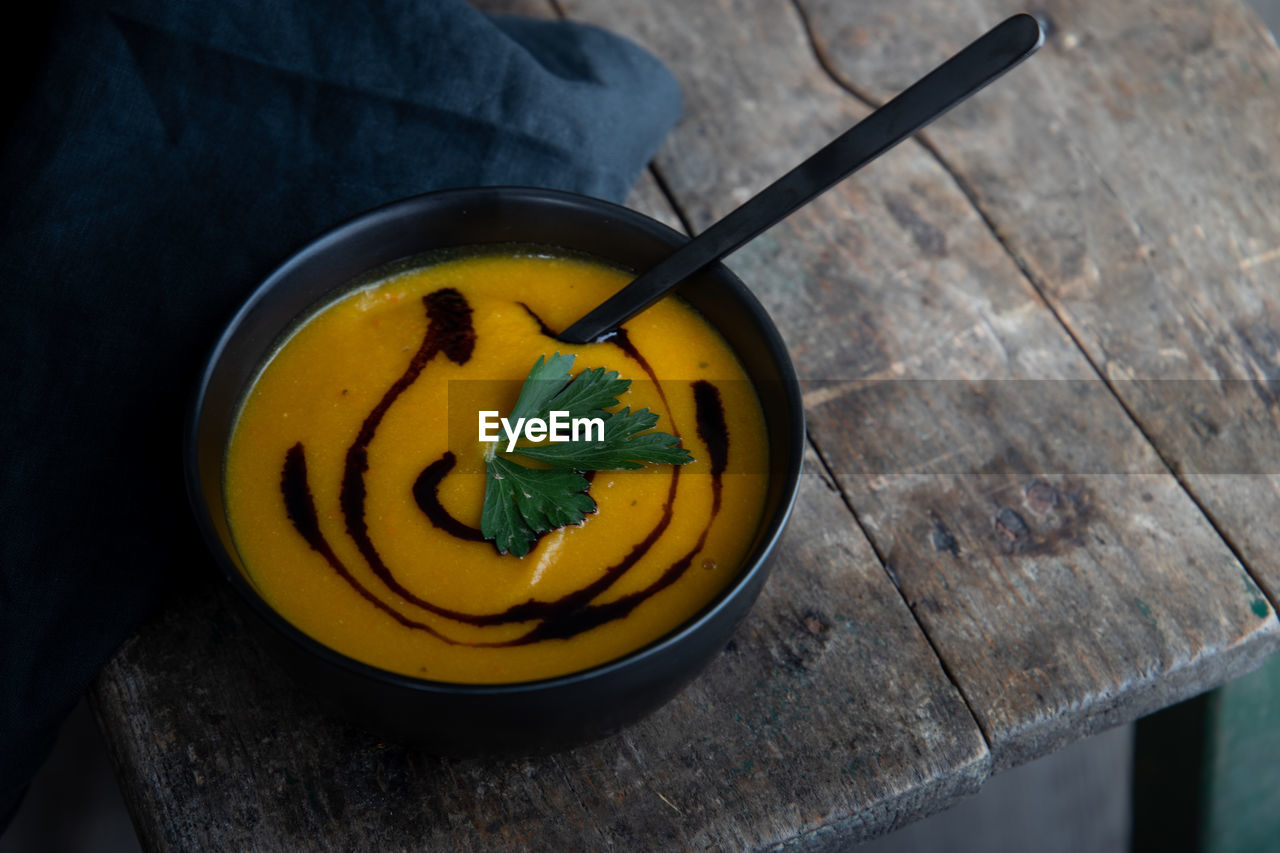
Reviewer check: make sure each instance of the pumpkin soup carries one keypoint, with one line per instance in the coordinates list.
(356, 508)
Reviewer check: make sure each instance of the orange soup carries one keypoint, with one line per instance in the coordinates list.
(355, 507)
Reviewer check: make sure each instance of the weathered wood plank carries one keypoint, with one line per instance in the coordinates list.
(1061, 602)
(826, 720)
(1137, 182)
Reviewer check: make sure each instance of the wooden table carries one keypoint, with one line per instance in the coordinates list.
(1013, 531)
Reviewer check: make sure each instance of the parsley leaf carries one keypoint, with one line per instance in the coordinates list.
(520, 502)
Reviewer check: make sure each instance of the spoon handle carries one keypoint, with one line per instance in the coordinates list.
(1001, 48)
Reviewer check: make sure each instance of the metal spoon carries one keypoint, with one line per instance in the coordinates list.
(1001, 48)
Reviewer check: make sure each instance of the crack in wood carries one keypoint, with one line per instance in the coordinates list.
(668, 194)
(947, 670)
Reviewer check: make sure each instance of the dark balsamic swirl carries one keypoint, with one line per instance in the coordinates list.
(301, 508)
(426, 492)
(450, 331)
(714, 433)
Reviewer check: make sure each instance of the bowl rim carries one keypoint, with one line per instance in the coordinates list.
(628, 218)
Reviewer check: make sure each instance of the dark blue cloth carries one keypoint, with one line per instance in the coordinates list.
(165, 157)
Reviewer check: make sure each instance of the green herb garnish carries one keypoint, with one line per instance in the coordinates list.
(521, 502)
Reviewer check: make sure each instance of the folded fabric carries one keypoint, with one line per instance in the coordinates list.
(165, 159)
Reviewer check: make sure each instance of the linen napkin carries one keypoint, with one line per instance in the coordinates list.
(163, 158)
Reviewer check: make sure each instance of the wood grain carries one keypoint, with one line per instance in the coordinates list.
(827, 719)
(1136, 183)
(1076, 585)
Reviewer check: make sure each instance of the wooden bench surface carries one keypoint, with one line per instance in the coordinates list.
(1014, 529)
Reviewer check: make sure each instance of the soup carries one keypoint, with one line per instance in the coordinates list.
(354, 479)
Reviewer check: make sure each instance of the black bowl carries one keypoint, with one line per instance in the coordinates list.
(527, 717)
